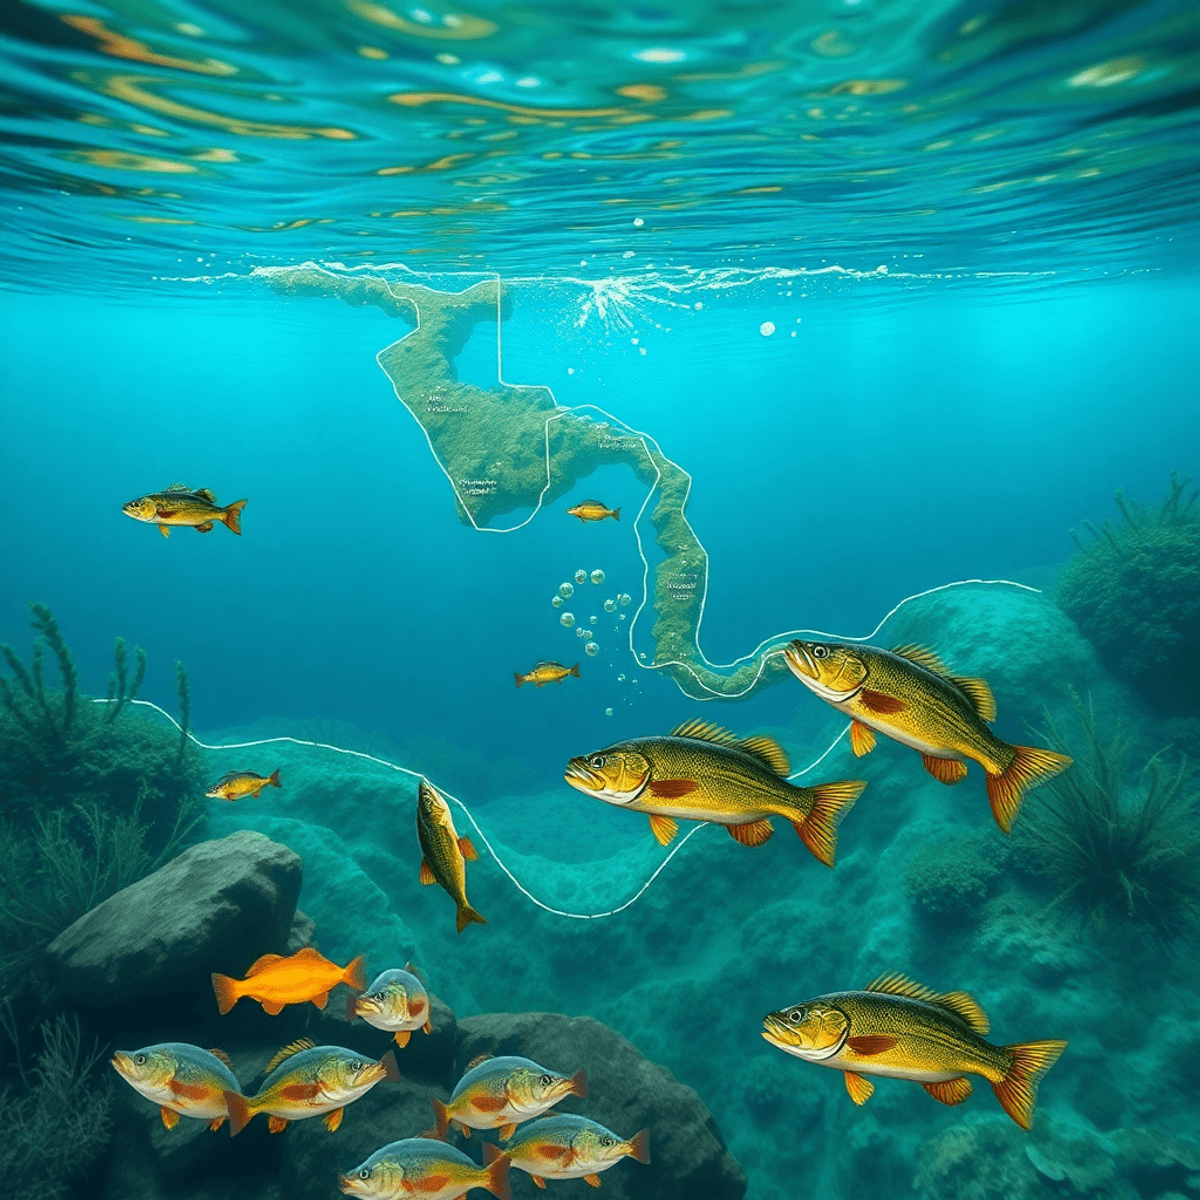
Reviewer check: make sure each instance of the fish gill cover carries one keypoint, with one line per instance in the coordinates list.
(651, 435)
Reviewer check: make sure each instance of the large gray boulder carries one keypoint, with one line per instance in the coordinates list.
(216, 907)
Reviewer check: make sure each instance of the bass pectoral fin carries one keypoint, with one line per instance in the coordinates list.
(672, 789)
(880, 702)
(871, 1044)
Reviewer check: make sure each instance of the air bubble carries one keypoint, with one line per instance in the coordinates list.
(597, 576)
(581, 576)
(566, 590)
(583, 631)
(608, 712)
(767, 328)
(620, 678)
(591, 620)
(567, 619)
(610, 606)
(592, 649)
(557, 601)
(626, 598)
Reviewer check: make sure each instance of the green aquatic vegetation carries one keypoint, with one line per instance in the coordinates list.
(1118, 853)
(56, 1114)
(1134, 590)
(953, 877)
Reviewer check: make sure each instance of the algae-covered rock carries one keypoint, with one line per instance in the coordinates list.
(218, 906)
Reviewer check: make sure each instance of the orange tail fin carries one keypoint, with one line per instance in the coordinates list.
(579, 1084)
(239, 1111)
(355, 973)
(226, 992)
(231, 514)
(519, 678)
(1030, 767)
(441, 1118)
(831, 802)
(273, 779)
(467, 916)
(1017, 1091)
(639, 1146)
(496, 1164)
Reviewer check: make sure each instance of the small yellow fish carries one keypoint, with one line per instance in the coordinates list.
(571, 1147)
(397, 1002)
(547, 672)
(909, 695)
(181, 1079)
(237, 784)
(900, 1029)
(593, 510)
(699, 772)
(500, 1093)
(431, 1170)
(304, 1080)
(179, 505)
(445, 853)
(275, 981)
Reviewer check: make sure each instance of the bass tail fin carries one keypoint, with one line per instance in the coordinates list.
(240, 1111)
(574, 671)
(231, 514)
(226, 992)
(519, 678)
(830, 803)
(1017, 1091)
(616, 514)
(273, 779)
(495, 1166)
(467, 916)
(639, 1146)
(441, 1119)
(1028, 768)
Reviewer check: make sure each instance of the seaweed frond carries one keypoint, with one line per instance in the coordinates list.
(120, 692)
(185, 704)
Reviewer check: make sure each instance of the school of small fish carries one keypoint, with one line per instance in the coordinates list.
(892, 1028)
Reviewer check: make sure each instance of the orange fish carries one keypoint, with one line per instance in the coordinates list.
(275, 981)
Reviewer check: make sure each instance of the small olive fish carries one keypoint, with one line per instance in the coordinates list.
(500, 1093)
(900, 1029)
(275, 981)
(179, 505)
(432, 1170)
(181, 1079)
(445, 853)
(304, 1080)
(237, 784)
(702, 773)
(593, 510)
(396, 1002)
(546, 672)
(909, 695)
(571, 1147)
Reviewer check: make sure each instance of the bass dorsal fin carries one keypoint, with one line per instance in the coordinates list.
(965, 1007)
(178, 487)
(704, 731)
(415, 971)
(261, 964)
(767, 750)
(222, 1056)
(287, 1052)
(976, 691)
(477, 1060)
(205, 494)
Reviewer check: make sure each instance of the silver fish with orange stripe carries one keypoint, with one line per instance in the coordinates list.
(181, 1079)
(396, 1001)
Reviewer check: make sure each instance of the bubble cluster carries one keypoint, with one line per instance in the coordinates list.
(597, 576)
(625, 599)
(583, 631)
(581, 576)
(610, 606)
(592, 649)
(568, 619)
(566, 590)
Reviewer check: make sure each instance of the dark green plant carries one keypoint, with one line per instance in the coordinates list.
(56, 1113)
(1134, 590)
(1117, 852)
(185, 705)
(952, 877)
(118, 694)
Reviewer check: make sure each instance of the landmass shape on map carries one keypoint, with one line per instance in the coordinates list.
(493, 442)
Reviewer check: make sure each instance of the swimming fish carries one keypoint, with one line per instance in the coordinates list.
(304, 1080)
(702, 773)
(431, 1170)
(571, 1147)
(547, 672)
(179, 505)
(396, 1002)
(901, 1029)
(275, 981)
(181, 1079)
(593, 510)
(236, 784)
(500, 1093)
(445, 853)
(909, 695)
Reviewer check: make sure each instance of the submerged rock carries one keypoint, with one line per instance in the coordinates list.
(218, 906)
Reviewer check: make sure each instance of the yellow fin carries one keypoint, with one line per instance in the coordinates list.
(277, 1124)
(979, 694)
(1017, 1091)
(767, 750)
(752, 834)
(705, 731)
(334, 1119)
(945, 770)
(402, 1038)
(951, 1091)
(261, 964)
(965, 1007)
(287, 1052)
(860, 1089)
(170, 1118)
(862, 738)
(205, 494)
(923, 657)
(427, 876)
(222, 1056)
(663, 828)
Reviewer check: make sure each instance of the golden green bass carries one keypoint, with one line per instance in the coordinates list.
(909, 695)
(900, 1029)
(700, 772)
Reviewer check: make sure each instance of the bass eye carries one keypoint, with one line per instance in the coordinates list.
(364, 1173)
(597, 761)
(796, 1016)
(140, 1059)
(547, 1080)
(607, 1141)
(820, 652)
(356, 1065)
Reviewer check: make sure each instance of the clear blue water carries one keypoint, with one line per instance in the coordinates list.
(908, 289)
